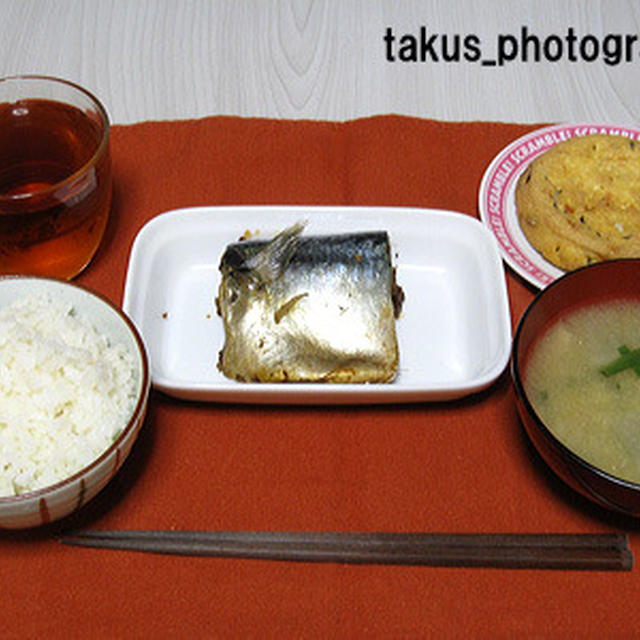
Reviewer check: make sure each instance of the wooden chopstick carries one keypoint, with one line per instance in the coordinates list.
(576, 551)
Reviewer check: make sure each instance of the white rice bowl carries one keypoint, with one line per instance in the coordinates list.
(74, 384)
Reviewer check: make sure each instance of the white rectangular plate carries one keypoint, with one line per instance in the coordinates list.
(454, 332)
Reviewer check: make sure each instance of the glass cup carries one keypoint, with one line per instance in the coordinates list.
(55, 176)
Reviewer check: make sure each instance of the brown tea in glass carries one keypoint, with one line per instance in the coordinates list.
(55, 176)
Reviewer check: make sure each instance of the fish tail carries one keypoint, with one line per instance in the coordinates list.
(271, 261)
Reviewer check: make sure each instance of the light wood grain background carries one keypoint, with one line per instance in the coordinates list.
(322, 59)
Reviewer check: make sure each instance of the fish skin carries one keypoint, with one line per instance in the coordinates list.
(322, 311)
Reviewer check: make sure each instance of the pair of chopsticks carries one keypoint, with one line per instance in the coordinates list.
(570, 551)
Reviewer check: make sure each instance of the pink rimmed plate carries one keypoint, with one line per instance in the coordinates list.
(496, 200)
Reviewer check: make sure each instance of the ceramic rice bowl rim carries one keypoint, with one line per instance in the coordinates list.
(516, 376)
(35, 507)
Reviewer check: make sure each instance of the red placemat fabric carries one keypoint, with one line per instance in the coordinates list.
(460, 466)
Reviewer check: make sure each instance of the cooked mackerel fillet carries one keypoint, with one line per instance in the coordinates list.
(310, 309)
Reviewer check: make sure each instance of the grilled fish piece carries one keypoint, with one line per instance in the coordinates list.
(309, 309)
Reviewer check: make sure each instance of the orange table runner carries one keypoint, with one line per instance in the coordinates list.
(460, 466)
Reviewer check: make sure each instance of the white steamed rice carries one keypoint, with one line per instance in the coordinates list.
(65, 393)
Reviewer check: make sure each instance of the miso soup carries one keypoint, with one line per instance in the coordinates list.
(583, 379)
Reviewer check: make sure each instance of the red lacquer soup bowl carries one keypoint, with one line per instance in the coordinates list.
(598, 284)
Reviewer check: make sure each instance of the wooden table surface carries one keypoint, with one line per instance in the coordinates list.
(336, 60)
